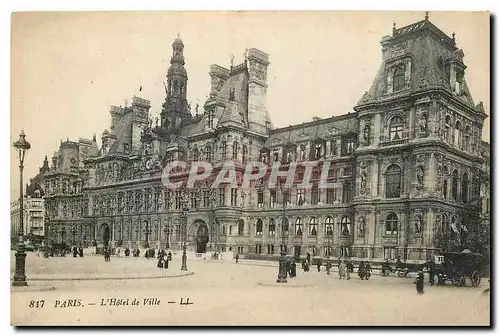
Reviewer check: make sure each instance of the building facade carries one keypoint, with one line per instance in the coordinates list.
(33, 208)
(401, 165)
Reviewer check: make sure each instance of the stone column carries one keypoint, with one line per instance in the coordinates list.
(432, 174)
(374, 178)
(377, 130)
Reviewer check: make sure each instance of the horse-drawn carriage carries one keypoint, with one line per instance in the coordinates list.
(456, 267)
(402, 269)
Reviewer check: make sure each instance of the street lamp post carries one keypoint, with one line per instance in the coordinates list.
(282, 273)
(185, 209)
(73, 232)
(20, 273)
(147, 231)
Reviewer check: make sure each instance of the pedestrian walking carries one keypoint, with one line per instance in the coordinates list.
(237, 257)
(419, 283)
(80, 251)
(430, 269)
(293, 269)
(328, 266)
(319, 265)
(342, 270)
(169, 258)
(308, 258)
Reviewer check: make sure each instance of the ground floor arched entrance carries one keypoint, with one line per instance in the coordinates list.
(104, 234)
(202, 237)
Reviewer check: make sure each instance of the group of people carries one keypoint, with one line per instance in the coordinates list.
(77, 252)
(163, 259)
(135, 252)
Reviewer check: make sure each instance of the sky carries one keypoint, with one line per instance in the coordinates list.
(68, 68)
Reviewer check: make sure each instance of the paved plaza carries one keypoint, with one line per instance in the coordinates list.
(225, 293)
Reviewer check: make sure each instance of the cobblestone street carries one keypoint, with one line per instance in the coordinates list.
(225, 293)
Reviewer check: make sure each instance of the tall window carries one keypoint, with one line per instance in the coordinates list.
(286, 196)
(393, 182)
(399, 78)
(300, 196)
(445, 182)
(210, 119)
(329, 226)
(466, 142)
(347, 191)
(196, 154)
(236, 150)
(245, 152)
(333, 148)
(260, 199)
(314, 195)
(222, 198)
(258, 248)
(456, 137)
(345, 226)
(391, 224)
(208, 152)
(272, 227)
(241, 227)
(223, 150)
(234, 196)
(284, 225)
(272, 198)
(258, 227)
(298, 227)
(465, 188)
(313, 226)
(318, 151)
(351, 145)
(396, 128)
(447, 128)
(330, 195)
(454, 185)
(276, 155)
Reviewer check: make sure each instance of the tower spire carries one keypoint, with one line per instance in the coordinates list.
(426, 16)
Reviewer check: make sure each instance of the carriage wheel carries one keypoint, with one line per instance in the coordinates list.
(475, 278)
(402, 274)
(462, 280)
(455, 280)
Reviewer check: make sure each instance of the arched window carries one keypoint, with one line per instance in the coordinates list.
(329, 226)
(465, 188)
(396, 128)
(454, 185)
(236, 150)
(445, 229)
(458, 128)
(245, 152)
(445, 182)
(454, 227)
(345, 226)
(391, 223)
(298, 226)
(466, 140)
(196, 154)
(393, 182)
(258, 227)
(223, 150)
(272, 227)
(399, 78)
(37, 193)
(241, 227)
(208, 152)
(447, 128)
(313, 226)
(284, 225)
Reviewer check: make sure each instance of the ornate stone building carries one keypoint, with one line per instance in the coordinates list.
(401, 166)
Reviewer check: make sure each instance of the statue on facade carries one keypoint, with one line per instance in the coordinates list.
(363, 180)
(420, 176)
(418, 224)
(422, 124)
(361, 225)
(366, 134)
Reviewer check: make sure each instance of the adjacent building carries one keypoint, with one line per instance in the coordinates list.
(401, 165)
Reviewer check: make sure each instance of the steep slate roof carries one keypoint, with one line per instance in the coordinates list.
(123, 134)
(320, 129)
(430, 49)
(235, 112)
